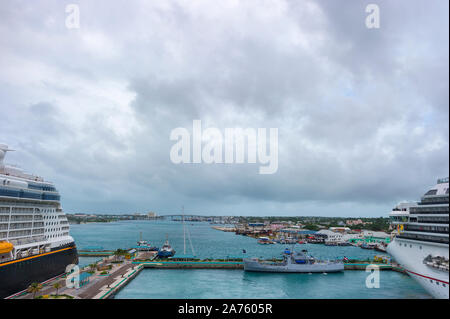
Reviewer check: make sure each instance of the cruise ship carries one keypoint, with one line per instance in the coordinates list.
(420, 245)
(35, 244)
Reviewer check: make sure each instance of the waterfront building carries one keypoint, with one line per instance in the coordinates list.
(151, 215)
(351, 222)
(340, 229)
(294, 233)
(276, 227)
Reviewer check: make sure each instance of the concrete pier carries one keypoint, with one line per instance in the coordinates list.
(192, 264)
(363, 266)
(238, 265)
(84, 253)
(119, 282)
(109, 285)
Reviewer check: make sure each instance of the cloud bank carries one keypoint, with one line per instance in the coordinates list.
(362, 114)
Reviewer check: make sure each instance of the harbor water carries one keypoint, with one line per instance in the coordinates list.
(208, 283)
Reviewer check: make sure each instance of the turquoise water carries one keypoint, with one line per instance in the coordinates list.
(206, 283)
(209, 283)
(207, 242)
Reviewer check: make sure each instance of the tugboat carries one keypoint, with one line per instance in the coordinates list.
(294, 262)
(166, 250)
(144, 245)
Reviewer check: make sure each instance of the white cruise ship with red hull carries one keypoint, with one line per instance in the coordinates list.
(421, 243)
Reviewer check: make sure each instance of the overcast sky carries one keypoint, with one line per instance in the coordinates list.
(362, 114)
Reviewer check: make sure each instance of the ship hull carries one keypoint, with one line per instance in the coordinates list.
(17, 275)
(253, 265)
(165, 254)
(410, 255)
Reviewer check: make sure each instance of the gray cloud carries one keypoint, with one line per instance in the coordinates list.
(362, 114)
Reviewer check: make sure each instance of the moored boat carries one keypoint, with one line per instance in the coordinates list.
(144, 245)
(294, 262)
(380, 247)
(264, 241)
(368, 246)
(166, 250)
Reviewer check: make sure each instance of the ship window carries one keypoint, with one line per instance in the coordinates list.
(431, 281)
(431, 192)
(437, 283)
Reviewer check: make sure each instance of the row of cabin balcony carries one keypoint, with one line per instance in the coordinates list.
(436, 199)
(22, 225)
(425, 238)
(428, 229)
(19, 203)
(28, 240)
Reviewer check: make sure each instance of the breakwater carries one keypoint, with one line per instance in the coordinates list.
(193, 264)
(104, 253)
(119, 284)
(240, 265)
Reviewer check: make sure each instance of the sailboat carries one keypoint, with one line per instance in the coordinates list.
(186, 230)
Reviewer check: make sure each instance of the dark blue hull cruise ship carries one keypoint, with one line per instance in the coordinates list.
(35, 244)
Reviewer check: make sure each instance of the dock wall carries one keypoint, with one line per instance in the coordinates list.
(95, 253)
(240, 265)
(192, 265)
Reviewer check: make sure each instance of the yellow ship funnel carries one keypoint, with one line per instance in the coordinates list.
(5, 247)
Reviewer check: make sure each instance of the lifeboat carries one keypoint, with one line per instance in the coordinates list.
(5, 247)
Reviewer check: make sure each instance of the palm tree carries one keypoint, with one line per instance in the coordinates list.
(92, 267)
(119, 252)
(34, 288)
(57, 286)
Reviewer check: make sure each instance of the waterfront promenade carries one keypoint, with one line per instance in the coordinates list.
(106, 286)
(99, 286)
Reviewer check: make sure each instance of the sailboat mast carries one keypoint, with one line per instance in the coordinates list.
(184, 232)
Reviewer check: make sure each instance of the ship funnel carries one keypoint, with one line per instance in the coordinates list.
(3, 149)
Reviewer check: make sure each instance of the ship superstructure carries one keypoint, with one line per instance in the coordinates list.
(35, 244)
(421, 242)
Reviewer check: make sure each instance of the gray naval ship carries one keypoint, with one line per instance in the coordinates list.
(293, 262)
